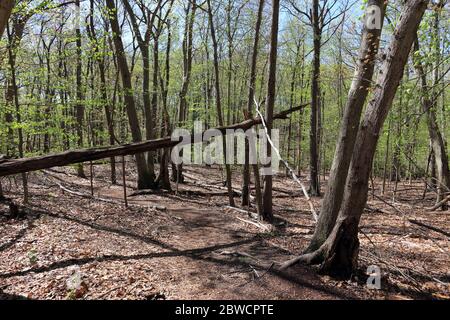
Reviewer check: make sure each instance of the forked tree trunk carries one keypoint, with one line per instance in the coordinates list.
(144, 43)
(359, 89)
(144, 181)
(339, 253)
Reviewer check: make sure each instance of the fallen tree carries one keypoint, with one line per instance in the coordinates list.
(15, 166)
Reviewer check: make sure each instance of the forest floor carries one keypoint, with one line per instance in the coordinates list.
(189, 245)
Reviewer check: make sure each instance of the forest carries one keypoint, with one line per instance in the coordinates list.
(224, 149)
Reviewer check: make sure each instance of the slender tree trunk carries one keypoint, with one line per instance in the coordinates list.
(219, 102)
(164, 178)
(386, 156)
(104, 94)
(249, 111)
(79, 108)
(13, 87)
(315, 93)
(177, 171)
(270, 102)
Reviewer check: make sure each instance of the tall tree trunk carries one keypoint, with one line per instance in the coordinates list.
(250, 104)
(315, 93)
(79, 108)
(219, 102)
(103, 89)
(149, 112)
(339, 253)
(177, 170)
(270, 102)
(164, 179)
(12, 85)
(144, 181)
(349, 128)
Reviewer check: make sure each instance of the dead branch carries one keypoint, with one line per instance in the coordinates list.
(445, 233)
(440, 203)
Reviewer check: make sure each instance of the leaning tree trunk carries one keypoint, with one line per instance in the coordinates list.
(359, 89)
(437, 142)
(339, 253)
(143, 175)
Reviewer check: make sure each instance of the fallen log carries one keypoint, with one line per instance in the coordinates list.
(15, 166)
(445, 233)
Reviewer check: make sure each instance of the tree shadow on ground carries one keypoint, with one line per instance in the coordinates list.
(301, 276)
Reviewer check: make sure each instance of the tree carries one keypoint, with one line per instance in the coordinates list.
(187, 47)
(270, 102)
(79, 108)
(437, 142)
(250, 102)
(339, 253)
(318, 18)
(357, 95)
(144, 179)
(99, 57)
(150, 102)
(219, 101)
